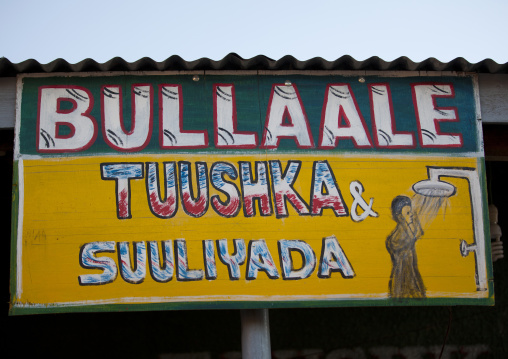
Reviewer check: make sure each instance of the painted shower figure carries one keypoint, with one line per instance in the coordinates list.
(405, 279)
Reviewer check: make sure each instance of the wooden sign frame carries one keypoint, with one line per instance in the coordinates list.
(151, 191)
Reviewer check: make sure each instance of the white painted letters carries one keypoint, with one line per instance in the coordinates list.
(428, 115)
(171, 133)
(65, 107)
(285, 105)
(113, 126)
(226, 134)
(383, 120)
(340, 105)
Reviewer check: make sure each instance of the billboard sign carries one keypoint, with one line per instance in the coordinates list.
(171, 190)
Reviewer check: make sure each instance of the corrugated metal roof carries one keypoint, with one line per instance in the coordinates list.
(260, 62)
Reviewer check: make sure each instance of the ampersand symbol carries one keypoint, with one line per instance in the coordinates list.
(356, 189)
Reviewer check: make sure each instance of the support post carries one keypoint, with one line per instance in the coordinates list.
(255, 334)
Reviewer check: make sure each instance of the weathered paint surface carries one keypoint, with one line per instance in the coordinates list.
(164, 192)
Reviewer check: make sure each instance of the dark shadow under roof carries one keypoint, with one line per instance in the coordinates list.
(233, 62)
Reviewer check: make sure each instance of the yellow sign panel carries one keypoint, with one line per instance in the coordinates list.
(78, 250)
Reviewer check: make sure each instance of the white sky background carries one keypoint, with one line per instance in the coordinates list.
(75, 30)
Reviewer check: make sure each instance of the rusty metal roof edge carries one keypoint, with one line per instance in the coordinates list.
(233, 62)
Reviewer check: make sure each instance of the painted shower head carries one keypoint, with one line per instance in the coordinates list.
(434, 188)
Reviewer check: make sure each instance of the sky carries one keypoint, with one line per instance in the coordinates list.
(102, 29)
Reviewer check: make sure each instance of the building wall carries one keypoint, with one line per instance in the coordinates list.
(386, 332)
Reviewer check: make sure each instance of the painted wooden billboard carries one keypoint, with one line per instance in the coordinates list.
(169, 191)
